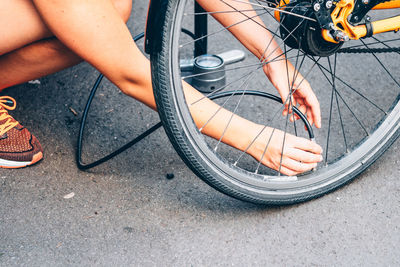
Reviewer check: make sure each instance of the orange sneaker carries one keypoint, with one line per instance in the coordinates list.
(18, 147)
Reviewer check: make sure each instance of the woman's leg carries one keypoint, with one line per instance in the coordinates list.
(20, 61)
(34, 61)
(20, 25)
(26, 60)
(15, 13)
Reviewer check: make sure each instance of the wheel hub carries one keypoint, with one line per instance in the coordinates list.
(300, 33)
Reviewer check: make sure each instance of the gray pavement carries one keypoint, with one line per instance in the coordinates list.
(126, 212)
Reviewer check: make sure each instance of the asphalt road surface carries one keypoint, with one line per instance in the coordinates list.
(125, 212)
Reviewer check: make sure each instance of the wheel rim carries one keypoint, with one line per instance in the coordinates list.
(358, 131)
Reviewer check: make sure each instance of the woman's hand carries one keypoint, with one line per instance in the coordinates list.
(303, 96)
(298, 155)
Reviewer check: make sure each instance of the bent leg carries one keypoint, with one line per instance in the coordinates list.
(94, 31)
(13, 14)
(29, 58)
(34, 61)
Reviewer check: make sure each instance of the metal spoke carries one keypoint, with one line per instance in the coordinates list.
(380, 62)
(337, 104)
(276, 59)
(295, 75)
(352, 112)
(265, 149)
(231, 117)
(267, 2)
(264, 63)
(247, 19)
(281, 22)
(226, 101)
(235, 11)
(239, 101)
(222, 12)
(277, 3)
(381, 42)
(273, 116)
(291, 92)
(290, 105)
(330, 119)
(354, 115)
(284, 141)
(274, 9)
(273, 33)
(224, 70)
(350, 87)
(226, 85)
(287, 115)
(341, 122)
(223, 29)
(245, 81)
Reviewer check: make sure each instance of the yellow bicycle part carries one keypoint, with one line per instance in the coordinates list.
(282, 5)
(340, 20)
(388, 5)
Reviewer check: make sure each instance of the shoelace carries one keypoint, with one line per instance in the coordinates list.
(7, 103)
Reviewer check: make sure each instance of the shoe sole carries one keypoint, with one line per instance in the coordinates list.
(9, 164)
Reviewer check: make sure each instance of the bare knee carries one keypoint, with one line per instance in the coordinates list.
(48, 48)
(33, 61)
(44, 56)
(124, 8)
(20, 25)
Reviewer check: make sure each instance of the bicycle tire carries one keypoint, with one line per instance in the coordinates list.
(239, 182)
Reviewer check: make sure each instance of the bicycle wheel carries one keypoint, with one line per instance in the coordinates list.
(356, 82)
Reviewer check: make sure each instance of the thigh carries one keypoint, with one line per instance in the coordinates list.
(20, 24)
(95, 31)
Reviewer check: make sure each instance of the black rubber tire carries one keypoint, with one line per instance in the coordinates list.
(226, 177)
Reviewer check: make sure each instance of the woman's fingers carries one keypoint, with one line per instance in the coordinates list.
(297, 166)
(302, 109)
(289, 103)
(288, 172)
(310, 117)
(303, 156)
(313, 103)
(292, 167)
(299, 154)
(297, 161)
(306, 145)
(308, 105)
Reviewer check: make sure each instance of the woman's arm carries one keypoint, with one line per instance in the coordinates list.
(253, 34)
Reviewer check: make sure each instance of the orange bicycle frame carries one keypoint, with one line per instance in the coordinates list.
(390, 24)
(345, 7)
